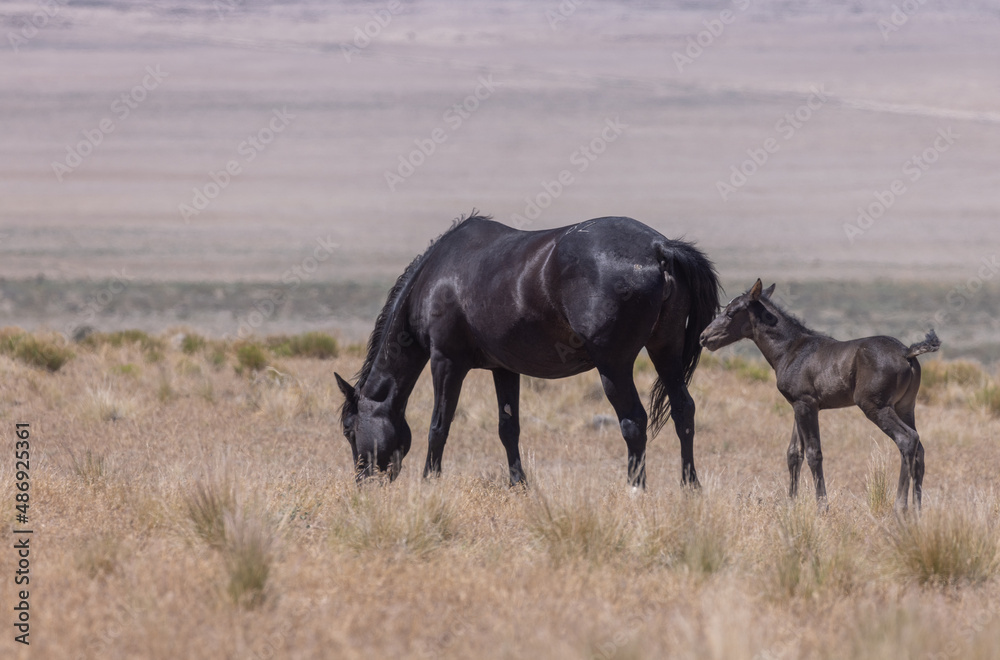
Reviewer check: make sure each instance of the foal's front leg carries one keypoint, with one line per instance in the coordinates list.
(807, 427)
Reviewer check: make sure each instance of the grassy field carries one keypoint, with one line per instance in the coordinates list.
(195, 499)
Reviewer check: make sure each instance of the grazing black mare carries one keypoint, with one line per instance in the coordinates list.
(547, 304)
(880, 375)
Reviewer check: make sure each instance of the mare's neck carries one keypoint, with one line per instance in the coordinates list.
(395, 371)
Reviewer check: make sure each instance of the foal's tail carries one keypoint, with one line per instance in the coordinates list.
(691, 269)
(929, 345)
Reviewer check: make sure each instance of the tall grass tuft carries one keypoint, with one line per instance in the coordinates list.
(576, 525)
(877, 484)
(107, 405)
(91, 468)
(211, 499)
(946, 548)
(394, 520)
(248, 556)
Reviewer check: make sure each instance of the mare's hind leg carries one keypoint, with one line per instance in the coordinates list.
(447, 377)
(620, 390)
(508, 386)
(908, 418)
(670, 373)
(795, 452)
(906, 438)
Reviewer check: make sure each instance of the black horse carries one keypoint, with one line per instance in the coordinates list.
(880, 375)
(547, 304)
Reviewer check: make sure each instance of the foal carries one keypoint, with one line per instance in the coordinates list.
(815, 372)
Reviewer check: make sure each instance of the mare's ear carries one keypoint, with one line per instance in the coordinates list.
(756, 290)
(768, 291)
(346, 388)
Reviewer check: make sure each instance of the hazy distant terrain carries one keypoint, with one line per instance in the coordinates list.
(553, 82)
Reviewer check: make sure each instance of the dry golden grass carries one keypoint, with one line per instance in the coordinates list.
(220, 519)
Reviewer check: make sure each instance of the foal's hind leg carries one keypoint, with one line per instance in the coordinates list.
(907, 439)
(447, 377)
(908, 418)
(508, 386)
(795, 451)
(620, 390)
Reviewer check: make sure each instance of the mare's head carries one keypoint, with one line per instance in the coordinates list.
(378, 434)
(737, 320)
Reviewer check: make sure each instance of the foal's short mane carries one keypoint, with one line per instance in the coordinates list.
(793, 320)
(388, 312)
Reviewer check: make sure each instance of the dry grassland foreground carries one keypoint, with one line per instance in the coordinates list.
(195, 499)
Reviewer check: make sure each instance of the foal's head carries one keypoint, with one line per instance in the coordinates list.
(379, 436)
(736, 321)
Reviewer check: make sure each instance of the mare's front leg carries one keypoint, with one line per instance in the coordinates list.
(508, 386)
(620, 390)
(795, 451)
(807, 427)
(447, 377)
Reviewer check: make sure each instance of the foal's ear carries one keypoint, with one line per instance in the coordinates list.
(756, 290)
(768, 291)
(345, 387)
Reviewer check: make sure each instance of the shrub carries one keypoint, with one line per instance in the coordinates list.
(152, 347)
(753, 370)
(192, 343)
(44, 353)
(250, 357)
(317, 345)
(989, 398)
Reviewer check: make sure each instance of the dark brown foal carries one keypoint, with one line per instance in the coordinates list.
(815, 372)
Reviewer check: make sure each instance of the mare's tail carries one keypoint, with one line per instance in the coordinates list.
(691, 269)
(929, 345)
